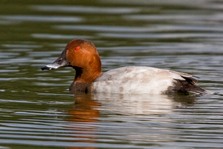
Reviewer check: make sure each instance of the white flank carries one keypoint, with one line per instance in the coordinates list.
(136, 80)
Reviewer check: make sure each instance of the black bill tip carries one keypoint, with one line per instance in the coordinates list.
(45, 68)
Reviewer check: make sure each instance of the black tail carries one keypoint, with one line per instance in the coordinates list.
(187, 86)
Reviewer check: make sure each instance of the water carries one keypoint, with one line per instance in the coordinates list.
(37, 111)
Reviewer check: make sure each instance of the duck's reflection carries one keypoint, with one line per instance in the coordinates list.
(88, 109)
(142, 104)
(85, 109)
(84, 116)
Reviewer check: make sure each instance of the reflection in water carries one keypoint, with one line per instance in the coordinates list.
(87, 112)
(143, 103)
(84, 109)
(83, 115)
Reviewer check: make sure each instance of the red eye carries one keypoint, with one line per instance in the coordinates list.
(77, 48)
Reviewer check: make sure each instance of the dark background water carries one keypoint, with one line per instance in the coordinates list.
(36, 109)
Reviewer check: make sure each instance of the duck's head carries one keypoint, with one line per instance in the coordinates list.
(80, 54)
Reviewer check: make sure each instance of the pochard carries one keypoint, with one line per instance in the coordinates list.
(83, 56)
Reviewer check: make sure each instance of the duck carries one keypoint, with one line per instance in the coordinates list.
(83, 57)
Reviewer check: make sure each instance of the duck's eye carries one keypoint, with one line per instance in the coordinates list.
(77, 48)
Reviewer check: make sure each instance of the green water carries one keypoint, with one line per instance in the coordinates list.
(36, 109)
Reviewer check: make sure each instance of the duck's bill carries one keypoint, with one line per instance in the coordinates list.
(51, 66)
(60, 62)
(55, 65)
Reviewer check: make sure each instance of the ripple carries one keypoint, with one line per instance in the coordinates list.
(160, 36)
(86, 9)
(57, 36)
(190, 3)
(44, 18)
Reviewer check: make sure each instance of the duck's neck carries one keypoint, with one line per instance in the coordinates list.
(83, 80)
(87, 75)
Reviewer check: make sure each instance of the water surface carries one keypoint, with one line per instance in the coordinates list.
(37, 111)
